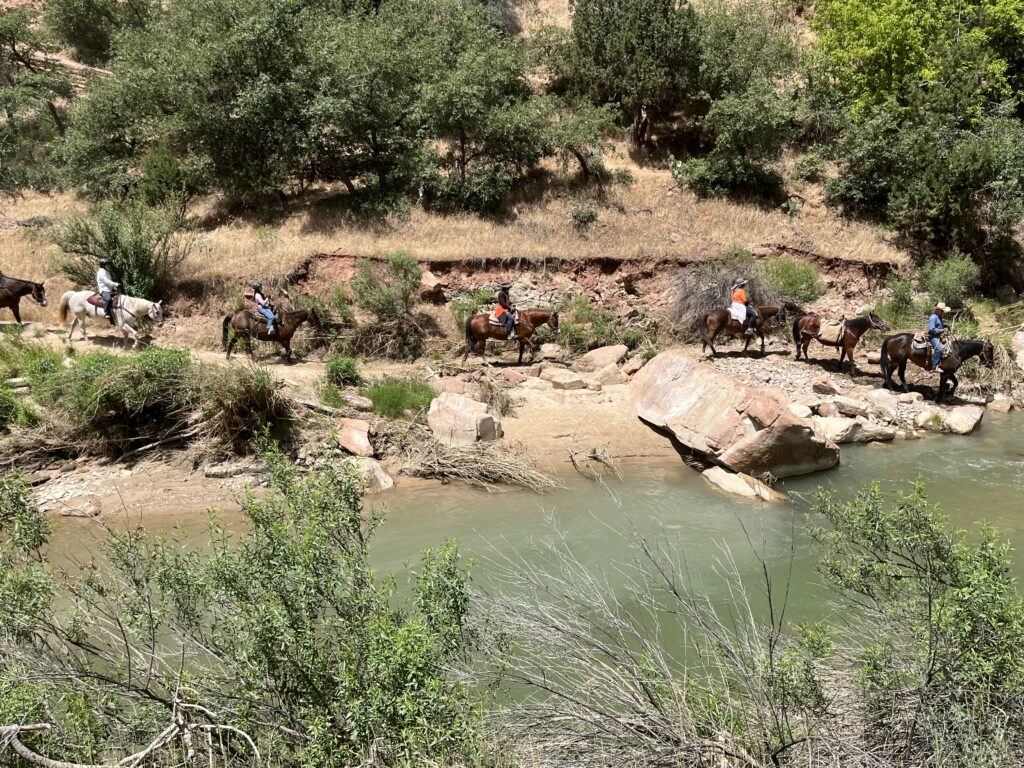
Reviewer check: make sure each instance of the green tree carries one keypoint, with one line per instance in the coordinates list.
(32, 87)
(638, 55)
(89, 26)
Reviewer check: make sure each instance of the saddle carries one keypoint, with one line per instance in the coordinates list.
(497, 323)
(97, 301)
(922, 346)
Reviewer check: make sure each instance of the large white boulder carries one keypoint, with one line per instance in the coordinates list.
(742, 485)
(373, 474)
(459, 420)
(963, 419)
(745, 429)
(841, 430)
(560, 378)
(596, 359)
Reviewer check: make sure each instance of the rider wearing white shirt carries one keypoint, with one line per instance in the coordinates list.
(106, 287)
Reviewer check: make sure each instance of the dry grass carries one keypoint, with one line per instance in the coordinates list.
(652, 218)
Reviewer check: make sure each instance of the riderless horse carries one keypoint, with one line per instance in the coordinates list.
(899, 348)
(721, 320)
(13, 288)
(245, 325)
(127, 311)
(808, 327)
(479, 329)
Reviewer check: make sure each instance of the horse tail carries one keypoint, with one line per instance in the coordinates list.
(796, 330)
(65, 301)
(226, 325)
(470, 338)
(884, 359)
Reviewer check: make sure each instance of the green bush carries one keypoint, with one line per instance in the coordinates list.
(392, 397)
(14, 409)
(901, 293)
(284, 628)
(342, 371)
(241, 404)
(144, 246)
(465, 305)
(809, 167)
(793, 280)
(952, 280)
(388, 295)
(584, 214)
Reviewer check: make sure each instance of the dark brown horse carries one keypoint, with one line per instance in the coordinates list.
(479, 329)
(721, 320)
(12, 289)
(245, 325)
(898, 349)
(808, 327)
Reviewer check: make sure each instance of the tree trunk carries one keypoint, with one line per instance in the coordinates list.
(641, 125)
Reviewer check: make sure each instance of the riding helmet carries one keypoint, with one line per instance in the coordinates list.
(104, 260)
(256, 285)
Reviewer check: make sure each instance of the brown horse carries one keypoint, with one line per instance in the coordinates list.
(12, 289)
(808, 327)
(718, 320)
(245, 325)
(479, 330)
(898, 349)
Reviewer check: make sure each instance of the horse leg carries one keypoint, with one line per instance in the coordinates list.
(287, 351)
(956, 382)
(761, 334)
(903, 375)
(17, 312)
(942, 387)
(231, 343)
(853, 363)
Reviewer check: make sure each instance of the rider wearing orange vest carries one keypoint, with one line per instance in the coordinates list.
(503, 311)
(739, 296)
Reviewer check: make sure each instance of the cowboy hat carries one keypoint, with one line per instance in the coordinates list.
(104, 260)
(505, 285)
(738, 283)
(942, 307)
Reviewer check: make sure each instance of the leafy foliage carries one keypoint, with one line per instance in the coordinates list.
(939, 670)
(398, 398)
(793, 281)
(144, 245)
(89, 26)
(389, 296)
(288, 633)
(951, 280)
(31, 93)
(342, 371)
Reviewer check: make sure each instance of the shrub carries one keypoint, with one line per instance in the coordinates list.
(242, 403)
(793, 280)
(584, 213)
(952, 280)
(389, 297)
(144, 246)
(342, 371)
(465, 305)
(809, 167)
(392, 397)
(284, 629)
(901, 294)
(584, 326)
(14, 409)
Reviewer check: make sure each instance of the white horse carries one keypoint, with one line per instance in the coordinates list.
(129, 309)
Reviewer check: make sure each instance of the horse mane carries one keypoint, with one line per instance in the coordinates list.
(861, 323)
(972, 347)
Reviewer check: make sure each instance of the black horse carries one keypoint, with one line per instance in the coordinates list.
(898, 349)
(12, 289)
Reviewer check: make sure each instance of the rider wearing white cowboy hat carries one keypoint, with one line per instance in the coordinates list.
(936, 330)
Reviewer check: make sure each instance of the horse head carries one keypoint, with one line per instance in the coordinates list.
(780, 316)
(987, 356)
(878, 323)
(39, 294)
(314, 318)
(156, 313)
(553, 320)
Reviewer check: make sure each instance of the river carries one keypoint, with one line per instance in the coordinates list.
(976, 478)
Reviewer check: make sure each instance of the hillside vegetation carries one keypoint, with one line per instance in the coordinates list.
(260, 132)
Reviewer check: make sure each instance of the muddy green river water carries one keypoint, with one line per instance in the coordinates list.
(976, 478)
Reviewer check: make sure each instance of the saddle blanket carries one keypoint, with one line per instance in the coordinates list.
(831, 333)
(97, 301)
(499, 322)
(738, 311)
(921, 346)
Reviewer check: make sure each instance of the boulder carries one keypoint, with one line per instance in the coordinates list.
(800, 411)
(551, 352)
(512, 376)
(449, 384)
(1007, 295)
(826, 409)
(824, 385)
(84, 505)
(963, 419)
(842, 430)
(432, 288)
(882, 404)
(1000, 403)
(874, 357)
(849, 406)
(354, 436)
(599, 358)
(744, 429)
(633, 365)
(1018, 348)
(373, 473)
(560, 378)
(358, 402)
(910, 398)
(535, 370)
(929, 419)
(610, 374)
(459, 420)
(742, 485)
